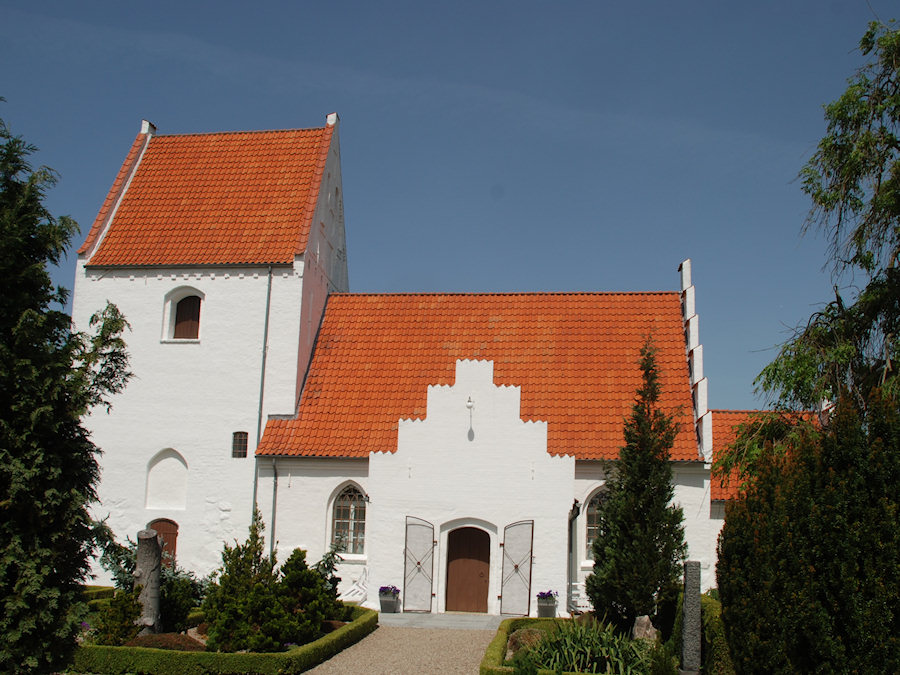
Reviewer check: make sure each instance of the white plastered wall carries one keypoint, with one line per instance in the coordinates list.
(191, 395)
(701, 529)
(481, 467)
(301, 499)
(325, 261)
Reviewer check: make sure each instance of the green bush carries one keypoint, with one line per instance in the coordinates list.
(179, 593)
(146, 661)
(255, 607)
(809, 558)
(116, 625)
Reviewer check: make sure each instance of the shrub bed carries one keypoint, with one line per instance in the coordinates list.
(145, 660)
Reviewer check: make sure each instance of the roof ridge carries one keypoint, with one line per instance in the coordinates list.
(237, 132)
(493, 293)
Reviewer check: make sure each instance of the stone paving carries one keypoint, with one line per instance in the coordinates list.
(449, 644)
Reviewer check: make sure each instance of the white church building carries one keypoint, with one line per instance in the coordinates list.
(452, 444)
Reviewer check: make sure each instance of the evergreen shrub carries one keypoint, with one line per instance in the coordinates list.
(809, 557)
(639, 547)
(116, 625)
(253, 605)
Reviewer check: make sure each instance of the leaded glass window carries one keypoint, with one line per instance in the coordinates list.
(348, 525)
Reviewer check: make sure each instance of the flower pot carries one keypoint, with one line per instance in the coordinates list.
(546, 607)
(390, 603)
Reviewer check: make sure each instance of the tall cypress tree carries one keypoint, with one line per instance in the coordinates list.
(640, 545)
(49, 377)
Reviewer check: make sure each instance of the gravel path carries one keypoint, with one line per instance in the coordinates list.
(393, 650)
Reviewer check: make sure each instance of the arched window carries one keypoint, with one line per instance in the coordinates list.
(348, 523)
(187, 318)
(593, 521)
(181, 314)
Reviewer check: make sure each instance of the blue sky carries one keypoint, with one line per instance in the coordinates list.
(488, 146)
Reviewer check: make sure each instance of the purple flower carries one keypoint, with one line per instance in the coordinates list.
(547, 595)
(389, 590)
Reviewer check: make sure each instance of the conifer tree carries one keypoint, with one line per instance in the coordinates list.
(49, 376)
(809, 558)
(640, 545)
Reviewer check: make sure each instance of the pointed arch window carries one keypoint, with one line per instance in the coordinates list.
(593, 521)
(348, 523)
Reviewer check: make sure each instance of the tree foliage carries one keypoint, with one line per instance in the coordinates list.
(640, 546)
(809, 559)
(853, 179)
(49, 376)
(254, 606)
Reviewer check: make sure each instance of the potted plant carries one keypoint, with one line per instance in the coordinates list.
(389, 596)
(546, 602)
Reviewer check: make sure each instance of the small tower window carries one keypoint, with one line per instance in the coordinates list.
(239, 444)
(187, 318)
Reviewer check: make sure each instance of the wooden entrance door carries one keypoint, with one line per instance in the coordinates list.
(468, 570)
(167, 530)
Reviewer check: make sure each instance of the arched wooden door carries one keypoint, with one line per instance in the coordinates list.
(167, 530)
(468, 570)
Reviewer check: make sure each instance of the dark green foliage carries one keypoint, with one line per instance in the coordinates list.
(306, 598)
(49, 377)
(853, 180)
(640, 546)
(121, 660)
(327, 568)
(256, 607)
(714, 646)
(116, 625)
(809, 559)
(242, 600)
(180, 591)
(715, 657)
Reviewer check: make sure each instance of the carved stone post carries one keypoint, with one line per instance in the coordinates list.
(146, 575)
(690, 633)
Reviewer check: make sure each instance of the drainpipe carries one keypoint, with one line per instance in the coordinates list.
(573, 543)
(262, 387)
(274, 504)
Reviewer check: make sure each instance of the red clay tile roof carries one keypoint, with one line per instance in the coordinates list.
(213, 199)
(723, 428)
(575, 357)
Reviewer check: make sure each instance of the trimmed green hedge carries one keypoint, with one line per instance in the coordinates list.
(492, 663)
(716, 657)
(142, 660)
(97, 592)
